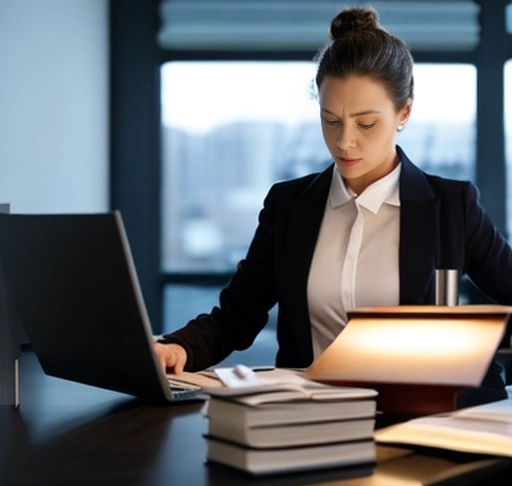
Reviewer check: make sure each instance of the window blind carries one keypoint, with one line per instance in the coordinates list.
(241, 25)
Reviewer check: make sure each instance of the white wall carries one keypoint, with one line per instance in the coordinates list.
(54, 105)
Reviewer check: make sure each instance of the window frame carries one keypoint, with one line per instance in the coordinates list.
(135, 128)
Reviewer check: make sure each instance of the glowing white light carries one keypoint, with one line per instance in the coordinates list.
(199, 96)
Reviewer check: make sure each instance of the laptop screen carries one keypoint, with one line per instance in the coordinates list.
(432, 345)
(74, 286)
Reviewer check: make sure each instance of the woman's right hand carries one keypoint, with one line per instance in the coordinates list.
(172, 357)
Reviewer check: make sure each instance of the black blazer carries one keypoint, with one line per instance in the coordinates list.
(441, 226)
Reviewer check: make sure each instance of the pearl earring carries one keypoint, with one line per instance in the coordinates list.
(400, 127)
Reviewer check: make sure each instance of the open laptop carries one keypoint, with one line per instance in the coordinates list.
(419, 358)
(73, 283)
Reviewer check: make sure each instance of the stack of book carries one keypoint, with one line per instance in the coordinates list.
(278, 428)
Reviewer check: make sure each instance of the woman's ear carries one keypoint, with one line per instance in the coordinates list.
(405, 112)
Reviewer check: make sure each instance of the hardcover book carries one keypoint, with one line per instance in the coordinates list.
(287, 424)
(290, 459)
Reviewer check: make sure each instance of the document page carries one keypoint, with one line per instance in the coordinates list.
(484, 429)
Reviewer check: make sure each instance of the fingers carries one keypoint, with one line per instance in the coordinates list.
(178, 366)
(172, 357)
(163, 364)
(180, 358)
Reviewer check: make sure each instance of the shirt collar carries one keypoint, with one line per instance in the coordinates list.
(385, 190)
(338, 193)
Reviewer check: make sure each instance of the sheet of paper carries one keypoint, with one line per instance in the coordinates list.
(202, 379)
(484, 429)
(290, 384)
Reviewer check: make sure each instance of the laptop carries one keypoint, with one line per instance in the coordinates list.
(419, 358)
(73, 283)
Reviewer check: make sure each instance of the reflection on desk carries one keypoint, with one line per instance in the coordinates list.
(68, 433)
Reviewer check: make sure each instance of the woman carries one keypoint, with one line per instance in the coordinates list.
(370, 230)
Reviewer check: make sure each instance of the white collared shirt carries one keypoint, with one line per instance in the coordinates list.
(355, 262)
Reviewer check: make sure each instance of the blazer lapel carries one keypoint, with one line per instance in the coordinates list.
(304, 225)
(419, 238)
(419, 247)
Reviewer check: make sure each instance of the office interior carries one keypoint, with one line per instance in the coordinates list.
(84, 130)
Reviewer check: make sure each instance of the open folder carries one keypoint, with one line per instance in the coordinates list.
(417, 357)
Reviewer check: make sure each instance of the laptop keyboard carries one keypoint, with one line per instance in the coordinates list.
(182, 389)
(182, 385)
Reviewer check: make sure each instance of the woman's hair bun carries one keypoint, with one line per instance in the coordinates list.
(354, 19)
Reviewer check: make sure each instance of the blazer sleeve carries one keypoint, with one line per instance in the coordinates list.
(243, 305)
(488, 255)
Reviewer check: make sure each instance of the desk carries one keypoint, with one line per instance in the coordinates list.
(71, 434)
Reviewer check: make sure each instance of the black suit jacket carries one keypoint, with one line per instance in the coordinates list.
(441, 226)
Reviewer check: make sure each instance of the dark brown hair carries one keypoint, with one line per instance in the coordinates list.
(360, 46)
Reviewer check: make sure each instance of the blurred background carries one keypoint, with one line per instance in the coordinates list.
(182, 113)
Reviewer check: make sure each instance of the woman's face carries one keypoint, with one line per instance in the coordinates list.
(359, 124)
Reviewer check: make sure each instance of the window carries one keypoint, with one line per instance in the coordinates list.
(231, 129)
(441, 134)
(508, 142)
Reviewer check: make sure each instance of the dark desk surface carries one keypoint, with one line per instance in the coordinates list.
(68, 433)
